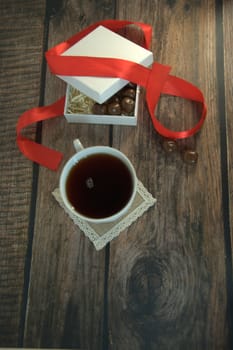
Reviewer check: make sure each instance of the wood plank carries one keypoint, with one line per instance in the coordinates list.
(225, 103)
(20, 62)
(167, 271)
(66, 297)
(228, 52)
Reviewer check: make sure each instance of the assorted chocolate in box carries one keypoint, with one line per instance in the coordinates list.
(120, 109)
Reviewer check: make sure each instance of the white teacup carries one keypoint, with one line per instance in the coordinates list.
(98, 184)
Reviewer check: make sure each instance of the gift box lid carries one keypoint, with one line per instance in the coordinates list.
(102, 42)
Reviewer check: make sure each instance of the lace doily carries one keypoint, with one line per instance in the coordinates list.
(101, 234)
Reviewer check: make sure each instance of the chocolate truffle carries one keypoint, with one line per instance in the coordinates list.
(100, 109)
(169, 146)
(190, 157)
(127, 104)
(114, 108)
(129, 92)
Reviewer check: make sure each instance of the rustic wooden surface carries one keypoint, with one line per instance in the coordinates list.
(164, 283)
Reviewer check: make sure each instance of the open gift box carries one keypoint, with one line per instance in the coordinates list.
(84, 94)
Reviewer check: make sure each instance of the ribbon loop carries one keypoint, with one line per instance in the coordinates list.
(161, 82)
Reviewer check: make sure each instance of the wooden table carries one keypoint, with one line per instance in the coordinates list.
(165, 282)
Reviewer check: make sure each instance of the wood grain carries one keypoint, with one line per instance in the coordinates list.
(65, 307)
(228, 52)
(20, 64)
(225, 103)
(169, 267)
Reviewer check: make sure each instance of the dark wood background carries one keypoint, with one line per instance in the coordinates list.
(166, 282)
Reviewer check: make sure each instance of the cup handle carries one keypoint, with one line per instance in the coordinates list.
(78, 145)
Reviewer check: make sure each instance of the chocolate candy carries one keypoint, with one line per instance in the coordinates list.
(169, 146)
(114, 108)
(190, 157)
(122, 103)
(127, 104)
(129, 92)
(114, 98)
(100, 109)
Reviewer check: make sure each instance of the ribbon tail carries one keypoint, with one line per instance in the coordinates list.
(32, 150)
(38, 153)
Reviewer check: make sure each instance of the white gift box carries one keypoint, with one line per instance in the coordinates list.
(102, 42)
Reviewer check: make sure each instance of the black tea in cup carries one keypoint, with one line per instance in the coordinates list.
(99, 185)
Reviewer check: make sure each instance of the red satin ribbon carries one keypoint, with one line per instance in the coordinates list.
(156, 81)
(33, 150)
